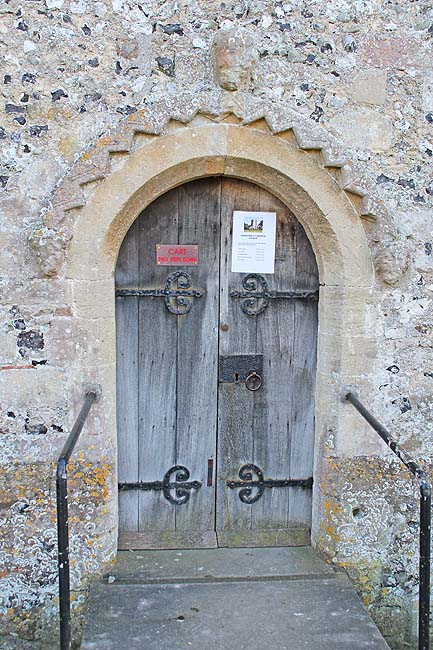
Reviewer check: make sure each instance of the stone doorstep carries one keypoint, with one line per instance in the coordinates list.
(323, 614)
(280, 598)
(218, 565)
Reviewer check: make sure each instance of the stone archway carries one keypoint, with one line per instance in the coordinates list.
(95, 206)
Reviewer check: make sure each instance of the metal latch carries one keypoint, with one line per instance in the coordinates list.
(241, 368)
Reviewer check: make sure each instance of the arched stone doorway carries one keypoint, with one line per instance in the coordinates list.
(155, 164)
(215, 370)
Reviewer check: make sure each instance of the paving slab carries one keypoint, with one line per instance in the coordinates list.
(323, 614)
(223, 564)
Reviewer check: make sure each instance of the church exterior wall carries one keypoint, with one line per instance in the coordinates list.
(332, 110)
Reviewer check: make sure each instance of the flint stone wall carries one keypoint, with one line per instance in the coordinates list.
(359, 72)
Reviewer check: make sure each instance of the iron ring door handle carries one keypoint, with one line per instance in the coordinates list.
(254, 381)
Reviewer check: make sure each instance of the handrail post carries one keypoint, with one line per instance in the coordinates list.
(424, 565)
(62, 518)
(63, 555)
(424, 519)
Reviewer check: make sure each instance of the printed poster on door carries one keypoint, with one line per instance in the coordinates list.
(253, 249)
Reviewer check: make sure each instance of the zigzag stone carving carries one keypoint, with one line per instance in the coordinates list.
(50, 239)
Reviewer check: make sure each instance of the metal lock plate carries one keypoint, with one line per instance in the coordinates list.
(238, 367)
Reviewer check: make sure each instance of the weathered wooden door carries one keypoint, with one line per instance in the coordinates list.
(216, 373)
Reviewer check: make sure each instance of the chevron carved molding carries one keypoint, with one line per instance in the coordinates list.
(49, 240)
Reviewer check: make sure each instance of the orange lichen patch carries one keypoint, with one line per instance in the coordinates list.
(90, 480)
(24, 367)
(329, 524)
(61, 113)
(100, 474)
(19, 623)
(361, 470)
(137, 115)
(67, 147)
(18, 480)
(104, 140)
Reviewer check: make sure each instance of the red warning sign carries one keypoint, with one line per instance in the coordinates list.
(177, 254)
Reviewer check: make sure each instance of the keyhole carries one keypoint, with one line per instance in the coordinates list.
(236, 376)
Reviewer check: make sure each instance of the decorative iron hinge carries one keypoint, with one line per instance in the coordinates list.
(177, 294)
(256, 295)
(180, 485)
(247, 483)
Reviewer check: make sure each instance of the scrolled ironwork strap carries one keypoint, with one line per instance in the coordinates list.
(177, 293)
(248, 484)
(181, 485)
(256, 294)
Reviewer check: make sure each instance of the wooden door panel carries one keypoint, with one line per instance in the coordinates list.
(275, 331)
(197, 345)
(303, 402)
(127, 381)
(267, 427)
(175, 371)
(157, 331)
(236, 405)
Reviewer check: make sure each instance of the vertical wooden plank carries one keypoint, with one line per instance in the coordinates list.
(275, 333)
(157, 331)
(238, 335)
(197, 363)
(304, 354)
(127, 379)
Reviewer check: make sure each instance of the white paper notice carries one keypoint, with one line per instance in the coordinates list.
(253, 249)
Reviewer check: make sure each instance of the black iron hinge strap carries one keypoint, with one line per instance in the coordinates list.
(148, 486)
(177, 293)
(271, 483)
(256, 294)
(160, 293)
(272, 295)
(181, 485)
(247, 483)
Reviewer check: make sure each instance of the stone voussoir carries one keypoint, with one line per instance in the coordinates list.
(93, 166)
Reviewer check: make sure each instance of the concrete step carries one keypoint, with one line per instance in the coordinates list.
(227, 599)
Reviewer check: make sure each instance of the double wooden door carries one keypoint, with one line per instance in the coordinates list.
(215, 377)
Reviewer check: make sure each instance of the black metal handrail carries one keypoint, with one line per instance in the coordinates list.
(62, 520)
(425, 519)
